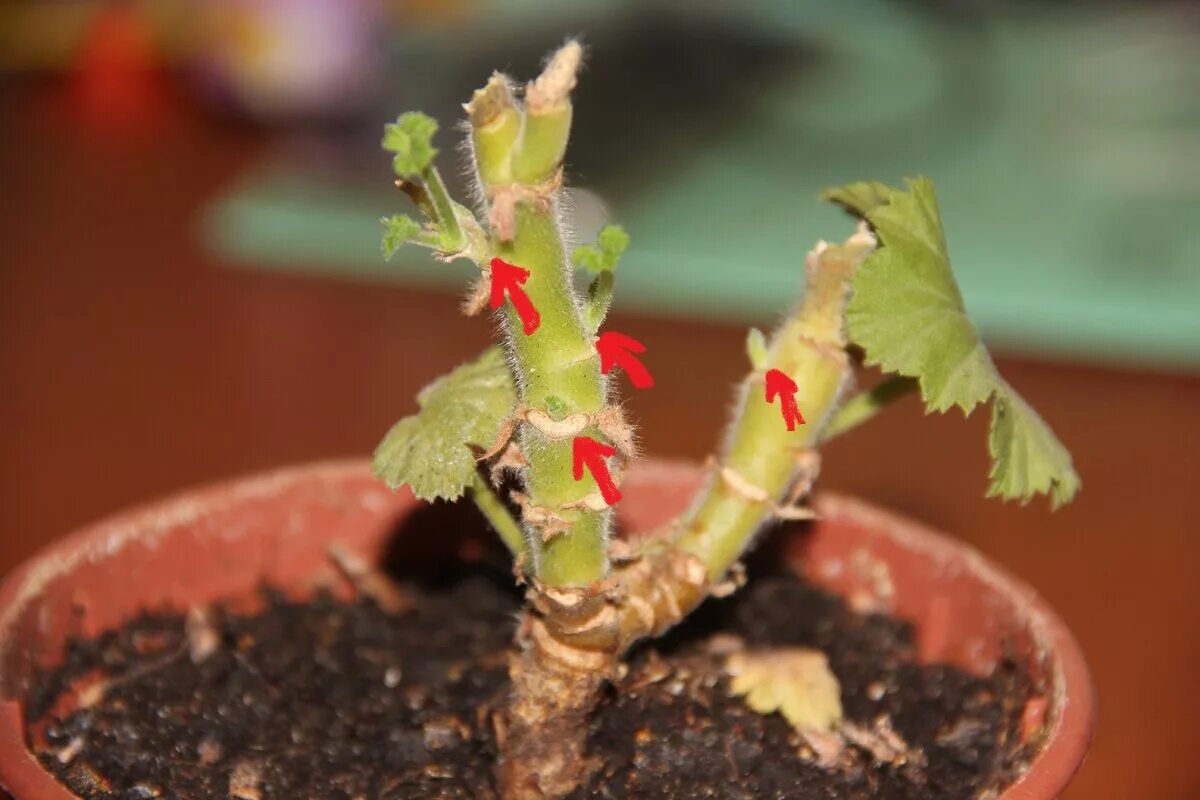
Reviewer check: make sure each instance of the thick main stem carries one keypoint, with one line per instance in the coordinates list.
(556, 675)
(558, 374)
(562, 393)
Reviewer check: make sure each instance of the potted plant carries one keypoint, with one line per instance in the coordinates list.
(782, 689)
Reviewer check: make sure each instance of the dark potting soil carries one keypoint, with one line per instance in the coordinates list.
(337, 700)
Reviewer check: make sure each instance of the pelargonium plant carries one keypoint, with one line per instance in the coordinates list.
(532, 432)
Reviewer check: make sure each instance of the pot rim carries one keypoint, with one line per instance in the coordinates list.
(1066, 741)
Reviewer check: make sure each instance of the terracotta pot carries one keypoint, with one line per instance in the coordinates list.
(225, 540)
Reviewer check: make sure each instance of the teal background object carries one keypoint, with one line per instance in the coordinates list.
(1065, 145)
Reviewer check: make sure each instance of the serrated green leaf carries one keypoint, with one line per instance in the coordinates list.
(906, 310)
(428, 452)
(410, 137)
(398, 229)
(1027, 458)
(907, 313)
(613, 240)
(604, 255)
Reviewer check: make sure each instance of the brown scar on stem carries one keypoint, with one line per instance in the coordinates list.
(593, 502)
(734, 580)
(487, 104)
(752, 493)
(478, 295)
(551, 90)
(612, 423)
(502, 438)
(511, 459)
(548, 523)
(622, 551)
(503, 200)
(556, 429)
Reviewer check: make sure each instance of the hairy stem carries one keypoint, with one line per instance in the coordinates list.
(761, 459)
(561, 390)
(567, 646)
(559, 375)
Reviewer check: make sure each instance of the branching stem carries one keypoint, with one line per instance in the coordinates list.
(865, 405)
(762, 459)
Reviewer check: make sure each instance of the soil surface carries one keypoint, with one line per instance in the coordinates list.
(341, 700)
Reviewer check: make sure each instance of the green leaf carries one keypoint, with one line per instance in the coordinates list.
(1027, 458)
(411, 138)
(604, 255)
(907, 313)
(399, 229)
(860, 198)
(428, 452)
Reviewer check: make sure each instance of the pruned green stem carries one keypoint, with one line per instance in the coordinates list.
(761, 461)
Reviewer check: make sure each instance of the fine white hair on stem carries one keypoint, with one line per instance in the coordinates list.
(469, 169)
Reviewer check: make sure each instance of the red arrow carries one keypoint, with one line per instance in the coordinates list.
(508, 277)
(617, 350)
(779, 384)
(587, 452)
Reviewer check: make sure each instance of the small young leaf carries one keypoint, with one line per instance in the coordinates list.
(411, 139)
(604, 255)
(907, 313)
(428, 452)
(756, 348)
(614, 241)
(397, 230)
(795, 681)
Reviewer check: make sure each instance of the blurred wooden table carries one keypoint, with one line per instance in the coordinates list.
(132, 364)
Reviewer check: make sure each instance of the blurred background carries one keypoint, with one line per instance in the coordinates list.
(191, 285)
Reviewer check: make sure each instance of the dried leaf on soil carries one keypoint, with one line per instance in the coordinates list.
(796, 682)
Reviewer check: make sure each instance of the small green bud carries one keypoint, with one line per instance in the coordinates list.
(756, 348)
(556, 407)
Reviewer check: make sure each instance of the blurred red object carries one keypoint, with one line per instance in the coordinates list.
(118, 79)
